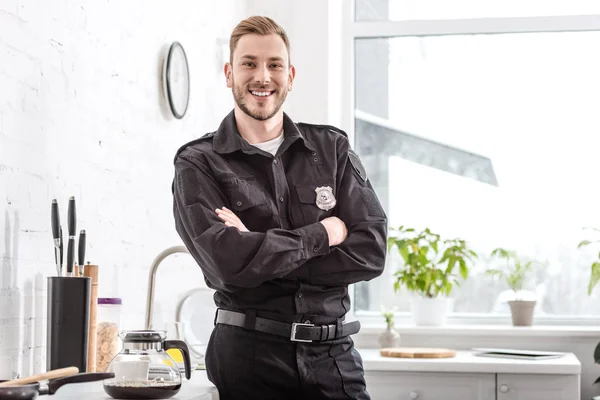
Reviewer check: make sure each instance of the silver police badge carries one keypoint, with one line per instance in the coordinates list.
(325, 199)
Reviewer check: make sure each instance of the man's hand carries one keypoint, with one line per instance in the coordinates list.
(231, 219)
(336, 230)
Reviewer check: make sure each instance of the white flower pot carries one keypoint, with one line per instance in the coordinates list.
(432, 312)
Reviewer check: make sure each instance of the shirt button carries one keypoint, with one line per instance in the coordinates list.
(239, 203)
(315, 249)
(315, 159)
(274, 161)
(314, 153)
(281, 198)
(299, 294)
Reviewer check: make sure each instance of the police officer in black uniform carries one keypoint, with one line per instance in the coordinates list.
(281, 217)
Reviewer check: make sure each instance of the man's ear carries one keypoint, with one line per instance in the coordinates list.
(228, 70)
(291, 77)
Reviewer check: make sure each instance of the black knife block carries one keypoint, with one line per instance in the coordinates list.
(68, 322)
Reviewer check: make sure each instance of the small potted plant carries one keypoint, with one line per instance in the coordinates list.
(430, 267)
(515, 274)
(389, 337)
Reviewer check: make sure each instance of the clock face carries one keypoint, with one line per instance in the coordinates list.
(177, 77)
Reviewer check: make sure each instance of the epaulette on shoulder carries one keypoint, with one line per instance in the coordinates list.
(329, 128)
(193, 142)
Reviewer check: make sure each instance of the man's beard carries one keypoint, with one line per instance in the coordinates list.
(261, 114)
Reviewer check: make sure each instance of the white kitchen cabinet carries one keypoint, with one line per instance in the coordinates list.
(430, 386)
(537, 387)
(467, 377)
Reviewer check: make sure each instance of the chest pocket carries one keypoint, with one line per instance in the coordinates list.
(311, 205)
(249, 202)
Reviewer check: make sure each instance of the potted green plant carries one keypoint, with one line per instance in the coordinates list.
(431, 268)
(595, 267)
(389, 337)
(515, 274)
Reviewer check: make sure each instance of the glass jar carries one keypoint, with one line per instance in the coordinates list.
(143, 369)
(108, 323)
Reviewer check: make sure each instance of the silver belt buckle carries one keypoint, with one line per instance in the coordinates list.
(295, 325)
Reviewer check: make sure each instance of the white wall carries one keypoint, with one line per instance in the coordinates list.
(81, 114)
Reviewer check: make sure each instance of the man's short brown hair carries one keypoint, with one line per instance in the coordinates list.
(258, 25)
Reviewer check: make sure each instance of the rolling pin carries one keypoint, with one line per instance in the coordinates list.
(91, 271)
(56, 373)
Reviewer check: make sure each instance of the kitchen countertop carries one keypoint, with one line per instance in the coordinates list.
(466, 361)
(200, 388)
(197, 388)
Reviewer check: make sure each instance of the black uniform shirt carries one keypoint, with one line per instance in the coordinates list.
(283, 267)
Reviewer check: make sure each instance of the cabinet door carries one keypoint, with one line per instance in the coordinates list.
(538, 387)
(430, 386)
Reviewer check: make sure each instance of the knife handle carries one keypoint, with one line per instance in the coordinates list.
(61, 246)
(71, 216)
(81, 248)
(70, 256)
(55, 219)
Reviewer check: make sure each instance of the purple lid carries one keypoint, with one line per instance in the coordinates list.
(109, 300)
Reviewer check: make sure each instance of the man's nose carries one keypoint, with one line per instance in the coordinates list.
(263, 75)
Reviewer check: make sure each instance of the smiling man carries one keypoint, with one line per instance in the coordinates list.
(281, 218)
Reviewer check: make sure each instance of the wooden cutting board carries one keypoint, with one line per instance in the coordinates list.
(417, 352)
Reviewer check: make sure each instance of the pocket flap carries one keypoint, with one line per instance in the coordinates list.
(244, 196)
(307, 194)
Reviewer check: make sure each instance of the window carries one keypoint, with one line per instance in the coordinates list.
(491, 135)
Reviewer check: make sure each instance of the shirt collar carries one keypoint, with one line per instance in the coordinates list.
(227, 139)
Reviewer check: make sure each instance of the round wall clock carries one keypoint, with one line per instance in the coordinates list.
(176, 78)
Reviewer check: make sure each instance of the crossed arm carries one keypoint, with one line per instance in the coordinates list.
(335, 227)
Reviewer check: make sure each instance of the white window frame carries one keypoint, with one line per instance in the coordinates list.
(352, 30)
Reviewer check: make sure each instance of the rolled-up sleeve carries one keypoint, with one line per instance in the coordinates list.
(231, 259)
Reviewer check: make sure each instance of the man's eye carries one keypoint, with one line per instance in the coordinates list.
(276, 66)
(248, 64)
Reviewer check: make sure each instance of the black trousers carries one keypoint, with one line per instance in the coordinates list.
(252, 365)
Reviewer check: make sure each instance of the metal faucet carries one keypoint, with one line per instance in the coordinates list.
(159, 258)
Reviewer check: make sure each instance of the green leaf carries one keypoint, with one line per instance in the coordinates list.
(503, 253)
(595, 277)
(597, 354)
(391, 241)
(423, 259)
(448, 287)
(583, 243)
(404, 253)
(464, 271)
(451, 264)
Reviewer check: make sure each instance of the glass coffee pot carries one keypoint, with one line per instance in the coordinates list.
(143, 369)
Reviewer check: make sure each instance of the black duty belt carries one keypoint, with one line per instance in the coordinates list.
(296, 332)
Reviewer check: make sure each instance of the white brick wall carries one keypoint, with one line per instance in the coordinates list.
(82, 114)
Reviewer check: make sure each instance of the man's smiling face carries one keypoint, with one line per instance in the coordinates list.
(260, 75)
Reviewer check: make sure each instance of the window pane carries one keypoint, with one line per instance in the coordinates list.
(403, 10)
(493, 139)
